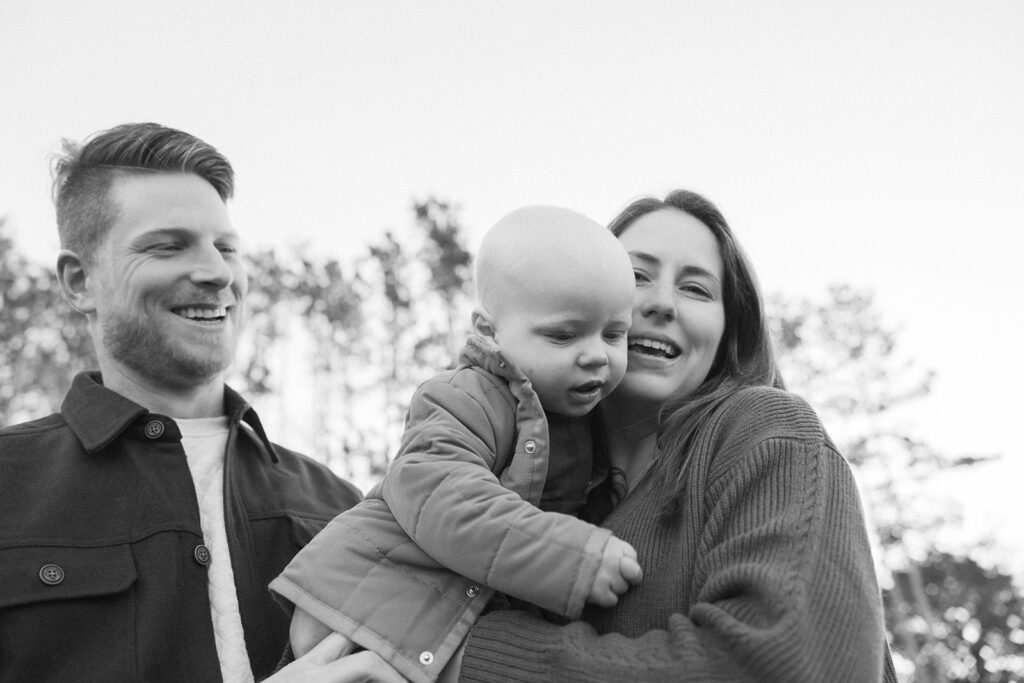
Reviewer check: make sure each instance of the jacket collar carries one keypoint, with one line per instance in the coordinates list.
(98, 415)
(484, 353)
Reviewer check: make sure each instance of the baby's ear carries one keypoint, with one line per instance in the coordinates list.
(482, 324)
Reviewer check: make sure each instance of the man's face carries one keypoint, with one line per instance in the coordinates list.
(167, 281)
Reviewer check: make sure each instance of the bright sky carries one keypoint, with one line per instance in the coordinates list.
(874, 142)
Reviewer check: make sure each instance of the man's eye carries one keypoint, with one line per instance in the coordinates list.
(227, 249)
(166, 246)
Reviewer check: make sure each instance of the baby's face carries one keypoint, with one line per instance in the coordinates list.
(570, 342)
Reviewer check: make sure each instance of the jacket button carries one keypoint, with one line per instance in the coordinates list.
(473, 591)
(202, 554)
(531, 446)
(51, 574)
(154, 429)
(426, 658)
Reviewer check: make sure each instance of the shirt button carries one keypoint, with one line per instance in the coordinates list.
(473, 591)
(202, 555)
(51, 574)
(531, 446)
(154, 429)
(426, 658)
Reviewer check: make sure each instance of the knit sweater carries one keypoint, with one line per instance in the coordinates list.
(764, 574)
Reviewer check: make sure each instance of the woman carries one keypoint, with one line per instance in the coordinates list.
(746, 519)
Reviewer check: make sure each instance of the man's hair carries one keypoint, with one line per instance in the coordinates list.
(84, 174)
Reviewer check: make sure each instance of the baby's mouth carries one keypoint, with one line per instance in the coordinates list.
(588, 387)
(658, 348)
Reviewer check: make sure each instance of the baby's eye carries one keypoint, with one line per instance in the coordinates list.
(640, 276)
(561, 336)
(615, 336)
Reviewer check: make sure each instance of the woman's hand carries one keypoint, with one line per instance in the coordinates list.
(328, 663)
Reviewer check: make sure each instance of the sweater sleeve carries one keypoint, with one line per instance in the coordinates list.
(780, 584)
(444, 494)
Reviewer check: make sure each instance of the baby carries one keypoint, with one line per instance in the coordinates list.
(495, 461)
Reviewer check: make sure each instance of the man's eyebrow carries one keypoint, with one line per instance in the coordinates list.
(177, 231)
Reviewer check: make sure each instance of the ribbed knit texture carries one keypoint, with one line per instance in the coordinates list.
(765, 574)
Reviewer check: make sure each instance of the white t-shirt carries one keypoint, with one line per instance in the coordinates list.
(205, 442)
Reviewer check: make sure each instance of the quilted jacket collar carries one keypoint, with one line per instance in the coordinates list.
(484, 353)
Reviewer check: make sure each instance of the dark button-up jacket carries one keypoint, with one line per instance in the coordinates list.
(102, 571)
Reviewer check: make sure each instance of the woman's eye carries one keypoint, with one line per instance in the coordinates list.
(695, 289)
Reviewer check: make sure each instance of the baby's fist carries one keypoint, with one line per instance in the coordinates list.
(618, 570)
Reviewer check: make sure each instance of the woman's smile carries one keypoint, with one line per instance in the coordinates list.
(656, 347)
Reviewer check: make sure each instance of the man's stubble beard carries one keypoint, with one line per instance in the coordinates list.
(153, 353)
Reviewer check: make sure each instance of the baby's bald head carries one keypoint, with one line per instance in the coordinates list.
(546, 250)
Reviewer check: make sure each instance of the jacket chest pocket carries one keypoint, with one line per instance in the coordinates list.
(66, 613)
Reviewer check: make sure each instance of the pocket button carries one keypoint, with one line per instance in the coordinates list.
(51, 574)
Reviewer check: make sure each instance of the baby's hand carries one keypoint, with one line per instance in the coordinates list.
(619, 569)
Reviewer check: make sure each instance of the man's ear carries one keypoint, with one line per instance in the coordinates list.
(482, 324)
(71, 273)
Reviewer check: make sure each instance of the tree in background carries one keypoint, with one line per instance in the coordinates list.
(417, 311)
(448, 262)
(305, 326)
(844, 359)
(974, 626)
(43, 342)
(334, 352)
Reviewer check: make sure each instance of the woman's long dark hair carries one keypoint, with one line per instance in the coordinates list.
(744, 357)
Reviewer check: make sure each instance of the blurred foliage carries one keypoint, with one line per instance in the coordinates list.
(949, 619)
(43, 342)
(335, 350)
(963, 622)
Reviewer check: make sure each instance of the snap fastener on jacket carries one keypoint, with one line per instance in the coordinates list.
(473, 591)
(154, 429)
(51, 574)
(426, 658)
(531, 446)
(202, 554)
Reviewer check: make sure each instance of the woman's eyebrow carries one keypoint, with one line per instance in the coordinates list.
(698, 270)
(686, 270)
(644, 257)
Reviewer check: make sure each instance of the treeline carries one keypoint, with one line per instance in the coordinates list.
(332, 351)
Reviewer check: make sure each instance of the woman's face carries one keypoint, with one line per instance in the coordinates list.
(678, 313)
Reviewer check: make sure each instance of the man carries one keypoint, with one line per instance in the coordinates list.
(140, 526)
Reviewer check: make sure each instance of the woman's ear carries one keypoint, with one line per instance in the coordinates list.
(74, 281)
(482, 324)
